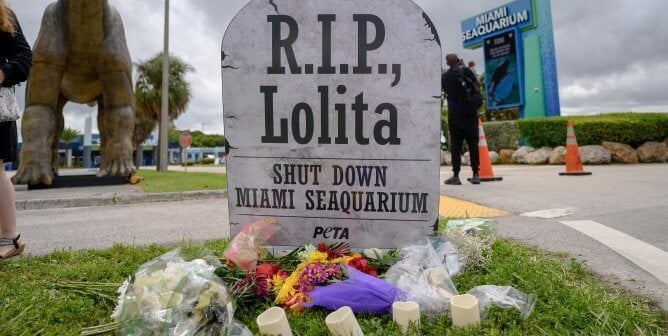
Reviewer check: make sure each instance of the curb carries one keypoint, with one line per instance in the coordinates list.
(56, 203)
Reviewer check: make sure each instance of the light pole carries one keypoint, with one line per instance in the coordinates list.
(164, 132)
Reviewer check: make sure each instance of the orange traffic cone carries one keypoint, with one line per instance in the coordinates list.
(573, 162)
(485, 168)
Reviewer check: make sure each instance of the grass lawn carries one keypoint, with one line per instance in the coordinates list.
(155, 182)
(570, 299)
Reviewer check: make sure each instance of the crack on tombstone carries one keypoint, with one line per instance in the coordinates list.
(432, 28)
(436, 97)
(228, 146)
(223, 56)
(271, 2)
(435, 226)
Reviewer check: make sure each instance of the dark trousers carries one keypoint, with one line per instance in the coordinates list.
(460, 130)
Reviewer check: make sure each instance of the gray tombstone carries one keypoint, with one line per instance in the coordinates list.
(332, 116)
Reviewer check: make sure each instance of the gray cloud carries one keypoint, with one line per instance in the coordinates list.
(611, 54)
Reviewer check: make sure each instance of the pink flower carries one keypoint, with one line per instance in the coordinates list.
(252, 283)
(315, 274)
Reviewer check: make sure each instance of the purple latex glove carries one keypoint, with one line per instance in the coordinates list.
(361, 292)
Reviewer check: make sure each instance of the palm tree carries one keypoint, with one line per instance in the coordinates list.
(148, 93)
(67, 136)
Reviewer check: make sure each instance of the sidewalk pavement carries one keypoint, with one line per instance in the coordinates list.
(132, 194)
(106, 195)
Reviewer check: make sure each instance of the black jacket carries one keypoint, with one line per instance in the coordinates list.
(450, 85)
(15, 56)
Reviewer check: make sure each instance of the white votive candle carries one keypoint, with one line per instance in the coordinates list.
(405, 313)
(274, 322)
(464, 310)
(342, 322)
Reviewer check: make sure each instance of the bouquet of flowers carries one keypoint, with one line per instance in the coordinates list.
(171, 296)
(289, 280)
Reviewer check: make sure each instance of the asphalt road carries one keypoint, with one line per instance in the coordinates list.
(632, 199)
(45, 231)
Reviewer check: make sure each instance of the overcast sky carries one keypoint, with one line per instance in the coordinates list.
(612, 55)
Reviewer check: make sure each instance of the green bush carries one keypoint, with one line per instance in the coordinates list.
(444, 128)
(633, 129)
(206, 161)
(502, 135)
(189, 163)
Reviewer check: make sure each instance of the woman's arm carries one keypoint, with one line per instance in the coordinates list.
(19, 58)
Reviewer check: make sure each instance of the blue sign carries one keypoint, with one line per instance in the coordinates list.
(518, 14)
(503, 70)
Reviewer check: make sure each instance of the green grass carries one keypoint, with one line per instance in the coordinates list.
(571, 301)
(155, 182)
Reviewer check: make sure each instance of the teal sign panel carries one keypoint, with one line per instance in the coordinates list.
(531, 20)
(503, 70)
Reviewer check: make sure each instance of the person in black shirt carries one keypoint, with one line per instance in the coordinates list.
(462, 119)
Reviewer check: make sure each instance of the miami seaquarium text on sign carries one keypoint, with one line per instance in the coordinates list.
(517, 14)
(332, 115)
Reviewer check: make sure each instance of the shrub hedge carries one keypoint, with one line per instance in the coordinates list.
(632, 129)
(502, 135)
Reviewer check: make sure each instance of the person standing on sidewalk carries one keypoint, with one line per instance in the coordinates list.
(462, 115)
(15, 63)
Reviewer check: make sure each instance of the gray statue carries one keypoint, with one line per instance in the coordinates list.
(80, 56)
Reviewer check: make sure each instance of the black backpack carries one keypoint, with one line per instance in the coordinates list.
(468, 93)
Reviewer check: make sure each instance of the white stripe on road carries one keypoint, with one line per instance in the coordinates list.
(652, 259)
(550, 213)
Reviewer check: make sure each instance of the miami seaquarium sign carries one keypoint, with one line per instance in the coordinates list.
(518, 14)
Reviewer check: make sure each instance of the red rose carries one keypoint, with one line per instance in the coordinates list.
(370, 271)
(322, 247)
(267, 269)
(358, 262)
(362, 265)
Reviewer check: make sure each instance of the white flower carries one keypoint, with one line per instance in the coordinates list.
(306, 253)
(119, 302)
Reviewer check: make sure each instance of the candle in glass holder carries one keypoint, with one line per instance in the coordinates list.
(405, 313)
(464, 310)
(274, 322)
(342, 322)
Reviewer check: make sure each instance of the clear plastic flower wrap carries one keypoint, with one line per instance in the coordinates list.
(503, 296)
(448, 254)
(421, 274)
(171, 296)
(473, 239)
(247, 246)
(481, 227)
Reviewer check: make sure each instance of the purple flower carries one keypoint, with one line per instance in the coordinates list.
(252, 283)
(315, 274)
(261, 284)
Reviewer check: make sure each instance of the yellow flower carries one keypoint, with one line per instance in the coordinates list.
(318, 256)
(275, 282)
(287, 290)
(284, 294)
(344, 259)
